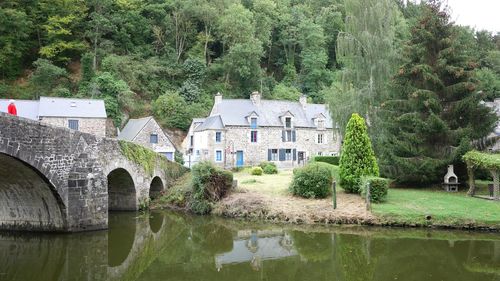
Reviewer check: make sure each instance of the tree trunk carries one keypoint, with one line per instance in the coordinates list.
(472, 181)
(496, 188)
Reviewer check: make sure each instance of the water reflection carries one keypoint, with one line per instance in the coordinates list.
(168, 246)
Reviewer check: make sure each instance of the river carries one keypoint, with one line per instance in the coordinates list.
(172, 246)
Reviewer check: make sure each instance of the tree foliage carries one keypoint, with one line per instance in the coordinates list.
(357, 158)
(435, 103)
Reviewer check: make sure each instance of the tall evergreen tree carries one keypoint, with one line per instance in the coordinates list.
(435, 105)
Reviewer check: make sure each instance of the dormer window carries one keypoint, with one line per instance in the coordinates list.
(288, 122)
(321, 124)
(253, 122)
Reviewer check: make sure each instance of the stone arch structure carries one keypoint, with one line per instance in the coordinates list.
(29, 200)
(121, 191)
(156, 187)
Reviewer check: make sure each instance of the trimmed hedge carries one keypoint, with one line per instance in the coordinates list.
(269, 168)
(378, 188)
(256, 171)
(334, 160)
(312, 181)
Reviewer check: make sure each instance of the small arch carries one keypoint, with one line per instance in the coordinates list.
(28, 200)
(155, 188)
(121, 191)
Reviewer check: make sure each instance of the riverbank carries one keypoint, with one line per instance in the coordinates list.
(267, 198)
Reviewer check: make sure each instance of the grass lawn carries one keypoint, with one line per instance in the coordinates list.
(266, 184)
(412, 205)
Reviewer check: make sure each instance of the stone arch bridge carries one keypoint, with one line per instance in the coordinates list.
(56, 179)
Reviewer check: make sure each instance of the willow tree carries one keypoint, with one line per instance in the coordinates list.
(368, 52)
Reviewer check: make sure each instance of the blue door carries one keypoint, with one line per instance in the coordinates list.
(239, 158)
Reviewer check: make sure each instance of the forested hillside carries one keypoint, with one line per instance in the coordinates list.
(169, 57)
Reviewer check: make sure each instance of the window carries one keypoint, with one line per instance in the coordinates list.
(197, 153)
(321, 124)
(320, 153)
(253, 123)
(73, 124)
(191, 140)
(218, 156)
(218, 136)
(153, 138)
(288, 122)
(288, 154)
(320, 138)
(253, 136)
(288, 136)
(274, 155)
(169, 155)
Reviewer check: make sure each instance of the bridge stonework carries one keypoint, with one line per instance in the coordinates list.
(56, 179)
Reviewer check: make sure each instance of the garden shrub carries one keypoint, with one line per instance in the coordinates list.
(256, 171)
(358, 158)
(378, 188)
(312, 181)
(269, 167)
(334, 160)
(210, 184)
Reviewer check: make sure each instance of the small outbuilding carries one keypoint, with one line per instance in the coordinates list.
(148, 133)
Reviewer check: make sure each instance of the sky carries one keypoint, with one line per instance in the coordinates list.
(479, 14)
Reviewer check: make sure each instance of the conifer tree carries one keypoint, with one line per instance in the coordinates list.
(434, 103)
(358, 158)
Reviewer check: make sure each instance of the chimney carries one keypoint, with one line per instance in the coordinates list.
(303, 100)
(255, 98)
(218, 98)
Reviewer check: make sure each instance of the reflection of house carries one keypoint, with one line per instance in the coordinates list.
(147, 132)
(85, 115)
(257, 247)
(242, 132)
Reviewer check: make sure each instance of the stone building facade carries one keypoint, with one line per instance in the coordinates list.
(84, 115)
(148, 133)
(248, 132)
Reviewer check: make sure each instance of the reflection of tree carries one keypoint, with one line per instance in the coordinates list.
(313, 246)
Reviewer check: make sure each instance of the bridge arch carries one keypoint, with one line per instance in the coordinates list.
(156, 187)
(122, 194)
(29, 199)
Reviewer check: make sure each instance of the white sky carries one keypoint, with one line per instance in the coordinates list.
(479, 14)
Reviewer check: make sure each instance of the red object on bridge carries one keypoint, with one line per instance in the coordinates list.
(12, 109)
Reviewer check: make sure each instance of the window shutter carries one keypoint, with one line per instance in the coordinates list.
(294, 152)
(269, 152)
(282, 154)
(293, 136)
(283, 136)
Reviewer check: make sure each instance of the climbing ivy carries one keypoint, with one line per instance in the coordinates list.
(140, 155)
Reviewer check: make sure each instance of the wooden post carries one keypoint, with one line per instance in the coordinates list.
(368, 202)
(496, 187)
(334, 194)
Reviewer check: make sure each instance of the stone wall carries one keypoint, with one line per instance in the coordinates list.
(143, 138)
(95, 126)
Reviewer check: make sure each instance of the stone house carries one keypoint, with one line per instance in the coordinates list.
(148, 133)
(242, 132)
(85, 115)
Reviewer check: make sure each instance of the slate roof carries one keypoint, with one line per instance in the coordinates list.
(233, 112)
(57, 107)
(133, 128)
(211, 123)
(67, 107)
